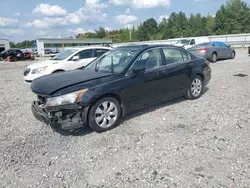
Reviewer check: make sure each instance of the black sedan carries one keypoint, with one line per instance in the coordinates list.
(123, 80)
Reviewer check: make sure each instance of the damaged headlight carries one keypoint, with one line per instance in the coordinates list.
(66, 99)
(38, 70)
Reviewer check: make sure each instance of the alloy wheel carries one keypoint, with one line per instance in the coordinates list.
(106, 114)
(196, 87)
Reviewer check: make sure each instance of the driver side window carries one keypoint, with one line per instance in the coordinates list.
(150, 59)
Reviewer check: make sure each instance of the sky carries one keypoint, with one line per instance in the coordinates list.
(31, 19)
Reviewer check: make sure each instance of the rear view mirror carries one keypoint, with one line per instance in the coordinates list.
(75, 58)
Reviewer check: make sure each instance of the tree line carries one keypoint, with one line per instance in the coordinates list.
(233, 17)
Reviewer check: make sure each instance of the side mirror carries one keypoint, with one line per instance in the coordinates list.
(137, 71)
(75, 58)
(229, 46)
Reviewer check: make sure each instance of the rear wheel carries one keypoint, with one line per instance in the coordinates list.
(195, 88)
(105, 114)
(214, 57)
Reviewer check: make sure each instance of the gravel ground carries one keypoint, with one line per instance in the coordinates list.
(202, 143)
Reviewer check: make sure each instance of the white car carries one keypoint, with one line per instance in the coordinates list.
(190, 42)
(66, 60)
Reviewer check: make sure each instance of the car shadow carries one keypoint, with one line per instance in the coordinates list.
(86, 130)
(221, 60)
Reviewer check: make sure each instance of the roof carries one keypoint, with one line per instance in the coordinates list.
(145, 46)
(75, 40)
(4, 39)
(89, 47)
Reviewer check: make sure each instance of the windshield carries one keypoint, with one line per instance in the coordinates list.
(184, 41)
(114, 61)
(64, 54)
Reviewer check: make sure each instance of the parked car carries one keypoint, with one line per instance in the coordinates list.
(190, 42)
(48, 51)
(55, 51)
(66, 60)
(123, 80)
(11, 53)
(213, 51)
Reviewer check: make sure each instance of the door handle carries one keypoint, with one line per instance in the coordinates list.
(160, 72)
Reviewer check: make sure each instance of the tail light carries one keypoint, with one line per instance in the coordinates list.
(207, 62)
(203, 49)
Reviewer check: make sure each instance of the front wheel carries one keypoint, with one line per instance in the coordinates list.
(233, 55)
(195, 88)
(105, 114)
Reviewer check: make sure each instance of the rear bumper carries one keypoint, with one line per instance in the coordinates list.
(67, 117)
(202, 54)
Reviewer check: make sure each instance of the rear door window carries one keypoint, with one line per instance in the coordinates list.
(175, 56)
(217, 44)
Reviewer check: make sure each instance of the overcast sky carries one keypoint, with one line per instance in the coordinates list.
(30, 19)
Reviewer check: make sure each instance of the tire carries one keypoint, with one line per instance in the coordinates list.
(195, 91)
(233, 55)
(101, 111)
(214, 57)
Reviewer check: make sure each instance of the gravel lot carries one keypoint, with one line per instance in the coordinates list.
(202, 143)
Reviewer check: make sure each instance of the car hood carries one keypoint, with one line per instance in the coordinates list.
(48, 85)
(42, 64)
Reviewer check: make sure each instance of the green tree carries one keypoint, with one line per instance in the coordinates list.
(101, 33)
(233, 18)
(12, 45)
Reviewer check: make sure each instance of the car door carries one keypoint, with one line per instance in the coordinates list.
(226, 50)
(145, 89)
(217, 47)
(84, 58)
(175, 72)
(192, 43)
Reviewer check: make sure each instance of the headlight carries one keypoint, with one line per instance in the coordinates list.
(66, 99)
(38, 70)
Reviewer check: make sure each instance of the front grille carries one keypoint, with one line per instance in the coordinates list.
(41, 99)
(26, 71)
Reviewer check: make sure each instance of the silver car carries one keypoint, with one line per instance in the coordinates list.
(213, 51)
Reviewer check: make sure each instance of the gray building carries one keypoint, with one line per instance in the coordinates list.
(4, 45)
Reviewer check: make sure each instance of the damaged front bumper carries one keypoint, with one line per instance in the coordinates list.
(65, 117)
